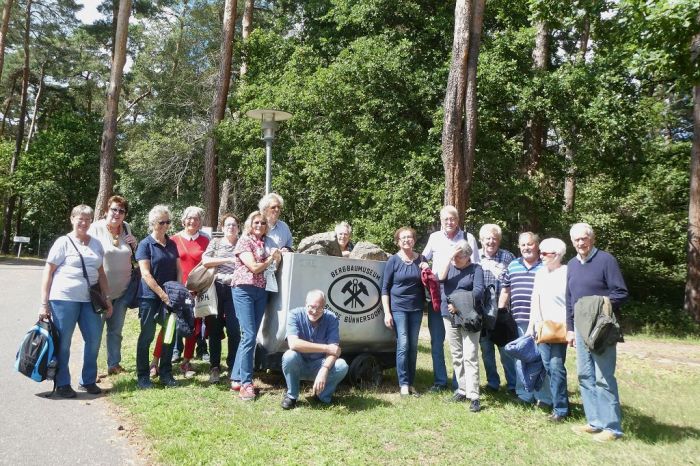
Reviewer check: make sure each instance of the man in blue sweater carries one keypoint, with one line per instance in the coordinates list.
(594, 273)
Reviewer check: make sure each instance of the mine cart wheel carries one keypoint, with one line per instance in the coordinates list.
(365, 371)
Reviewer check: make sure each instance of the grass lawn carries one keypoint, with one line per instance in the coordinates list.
(196, 423)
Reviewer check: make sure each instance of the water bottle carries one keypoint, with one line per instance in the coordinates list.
(169, 329)
(51, 369)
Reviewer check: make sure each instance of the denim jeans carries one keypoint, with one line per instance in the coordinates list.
(407, 328)
(488, 356)
(150, 314)
(542, 395)
(115, 324)
(437, 347)
(554, 360)
(296, 368)
(249, 302)
(215, 326)
(596, 379)
(66, 314)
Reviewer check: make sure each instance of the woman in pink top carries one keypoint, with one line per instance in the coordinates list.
(250, 297)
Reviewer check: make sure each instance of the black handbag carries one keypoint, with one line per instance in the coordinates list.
(133, 291)
(97, 299)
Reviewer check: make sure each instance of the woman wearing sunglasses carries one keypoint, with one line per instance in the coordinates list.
(118, 243)
(250, 297)
(159, 262)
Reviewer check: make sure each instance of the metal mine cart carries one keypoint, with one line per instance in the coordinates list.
(353, 293)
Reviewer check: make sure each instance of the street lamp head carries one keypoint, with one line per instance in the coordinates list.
(269, 119)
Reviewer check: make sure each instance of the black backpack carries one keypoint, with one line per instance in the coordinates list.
(37, 356)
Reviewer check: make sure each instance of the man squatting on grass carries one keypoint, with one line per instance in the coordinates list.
(314, 351)
(594, 273)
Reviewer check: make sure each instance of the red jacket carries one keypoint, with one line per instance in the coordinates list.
(430, 281)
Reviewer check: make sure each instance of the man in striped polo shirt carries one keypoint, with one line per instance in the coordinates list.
(516, 293)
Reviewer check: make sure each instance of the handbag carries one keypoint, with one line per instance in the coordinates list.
(133, 290)
(201, 278)
(206, 304)
(97, 299)
(549, 331)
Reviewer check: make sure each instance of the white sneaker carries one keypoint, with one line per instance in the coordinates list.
(404, 390)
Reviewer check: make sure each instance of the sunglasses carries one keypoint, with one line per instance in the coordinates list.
(117, 210)
(164, 222)
(543, 253)
(260, 222)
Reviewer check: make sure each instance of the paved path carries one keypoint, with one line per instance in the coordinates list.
(39, 430)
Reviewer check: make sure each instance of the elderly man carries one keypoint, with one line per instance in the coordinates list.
(594, 273)
(516, 293)
(314, 351)
(440, 247)
(343, 234)
(494, 262)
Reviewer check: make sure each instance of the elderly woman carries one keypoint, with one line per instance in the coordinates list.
(118, 244)
(461, 274)
(278, 234)
(343, 233)
(160, 263)
(220, 254)
(250, 297)
(549, 303)
(191, 244)
(65, 296)
(403, 299)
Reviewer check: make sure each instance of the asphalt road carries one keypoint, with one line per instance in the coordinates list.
(39, 430)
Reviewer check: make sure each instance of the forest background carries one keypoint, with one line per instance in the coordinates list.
(580, 111)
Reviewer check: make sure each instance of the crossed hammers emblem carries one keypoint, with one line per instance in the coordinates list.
(355, 288)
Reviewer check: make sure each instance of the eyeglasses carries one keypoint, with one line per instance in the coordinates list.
(274, 207)
(544, 253)
(164, 222)
(117, 210)
(260, 222)
(229, 225)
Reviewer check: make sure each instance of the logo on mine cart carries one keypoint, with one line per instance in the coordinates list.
(354, 294)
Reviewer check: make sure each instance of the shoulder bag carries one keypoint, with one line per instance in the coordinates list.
(97, 299)
(201, 278)
(133, 291)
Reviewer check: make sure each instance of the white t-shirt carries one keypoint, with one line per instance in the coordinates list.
(117, 259)
(68, 281)
(440, 248)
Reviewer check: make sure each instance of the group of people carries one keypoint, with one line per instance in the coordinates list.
(534, 287)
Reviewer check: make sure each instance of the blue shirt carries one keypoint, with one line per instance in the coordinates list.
(326, 331)
(470, 278)
(279, 236)
(598, 275)
(163, 262)
(403, 285)
(521, 280)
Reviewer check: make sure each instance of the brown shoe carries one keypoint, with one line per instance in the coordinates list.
(584, 429)
(114, 370)
(605, 436)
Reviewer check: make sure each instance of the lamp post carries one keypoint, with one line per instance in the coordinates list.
(269, 119)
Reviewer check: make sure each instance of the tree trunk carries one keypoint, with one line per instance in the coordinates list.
(6, 10)
(12, 199)
(536, 132)
(8, 105)
(216, 114)
(570, 149)
(35, 112)
(692, 285)
(470, 105)
(109, 130)
(247, 28)
(223, 198)
(452, 156)
(180, 35)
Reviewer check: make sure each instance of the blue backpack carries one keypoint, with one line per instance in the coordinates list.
(37, 354)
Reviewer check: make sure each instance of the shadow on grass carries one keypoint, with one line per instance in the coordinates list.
(651, 431)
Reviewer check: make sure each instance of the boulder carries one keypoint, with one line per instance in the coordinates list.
(320, 244)
(368, 251)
